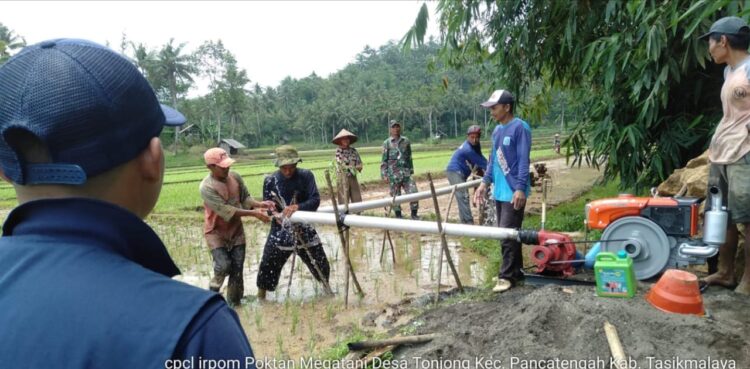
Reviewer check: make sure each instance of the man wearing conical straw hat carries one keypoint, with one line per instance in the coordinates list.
(348, 164)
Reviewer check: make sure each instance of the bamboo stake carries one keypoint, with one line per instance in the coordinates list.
(443, 240)
(440, 257)
(345, 182)
(362, 345)
(387, 234)
(615, 346)
(342, 238)
(294, 254)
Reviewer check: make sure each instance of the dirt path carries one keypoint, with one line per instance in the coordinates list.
(566, 183)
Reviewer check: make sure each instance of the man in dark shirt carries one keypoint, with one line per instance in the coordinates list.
(467, 159)
(85, 282)
(292, 189)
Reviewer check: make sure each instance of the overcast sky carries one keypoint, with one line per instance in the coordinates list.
(271, 40)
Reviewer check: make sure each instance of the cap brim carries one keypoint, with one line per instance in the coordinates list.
(172, 116)
(705, 36)
(488, 104)
(226, 163)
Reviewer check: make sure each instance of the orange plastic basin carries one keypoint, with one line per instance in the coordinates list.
(677, 291)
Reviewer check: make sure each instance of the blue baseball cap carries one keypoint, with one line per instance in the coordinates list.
(90, 107)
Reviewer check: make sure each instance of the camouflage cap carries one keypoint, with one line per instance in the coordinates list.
(286, 155)
(393, 122)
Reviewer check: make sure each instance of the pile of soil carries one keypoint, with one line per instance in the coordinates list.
(566, 323)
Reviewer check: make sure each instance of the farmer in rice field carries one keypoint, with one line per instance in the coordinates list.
(291, 189)
(225, 201)
(85, 282)
(508, 172)
(397, 168)
(348, 165)
(468, 156)
(729, 152)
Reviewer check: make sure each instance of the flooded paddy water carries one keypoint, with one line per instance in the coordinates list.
(299, 319)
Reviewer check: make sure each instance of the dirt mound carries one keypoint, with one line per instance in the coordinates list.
(556, 323)
(689, 181)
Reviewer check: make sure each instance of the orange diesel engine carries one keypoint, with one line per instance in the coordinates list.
(658, 232)
(677, 216)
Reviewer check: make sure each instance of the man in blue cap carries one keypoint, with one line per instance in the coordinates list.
(85, 282)
(729, 152)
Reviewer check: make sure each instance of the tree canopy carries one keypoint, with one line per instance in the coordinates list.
(646, 89)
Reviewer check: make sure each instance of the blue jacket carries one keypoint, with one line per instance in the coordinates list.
(508, 167)
(86, 284)
(466, 153)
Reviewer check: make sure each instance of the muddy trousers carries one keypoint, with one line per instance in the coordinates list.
(512, 264)
(462, 197)
(274, 259)
(229, 262)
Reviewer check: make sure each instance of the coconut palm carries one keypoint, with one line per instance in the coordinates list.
(9, 42)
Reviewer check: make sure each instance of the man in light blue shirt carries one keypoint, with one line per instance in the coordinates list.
(508, 172)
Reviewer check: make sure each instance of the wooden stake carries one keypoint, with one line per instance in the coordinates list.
(440, 257)
(615, 346)
(342, 238)
(387, 234)
(443, 240)
(356, 346)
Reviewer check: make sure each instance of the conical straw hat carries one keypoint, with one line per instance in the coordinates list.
(345, 133)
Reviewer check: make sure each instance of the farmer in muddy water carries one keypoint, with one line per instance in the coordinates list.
(85, 282)
(508, 172)
(729, 152)
(291, 189)
(225, 201)
(397, 168)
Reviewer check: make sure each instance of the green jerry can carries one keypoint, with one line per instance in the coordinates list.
(614, 275)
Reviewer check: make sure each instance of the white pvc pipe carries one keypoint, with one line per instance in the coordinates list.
(381, 203)
(406, 225)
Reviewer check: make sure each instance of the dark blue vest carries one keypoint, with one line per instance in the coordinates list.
(85, 284)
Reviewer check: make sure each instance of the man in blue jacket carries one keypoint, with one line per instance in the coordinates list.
(467, 157)
(85, 282)
(508, 172)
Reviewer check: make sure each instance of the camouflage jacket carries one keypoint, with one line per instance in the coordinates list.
(396, 163)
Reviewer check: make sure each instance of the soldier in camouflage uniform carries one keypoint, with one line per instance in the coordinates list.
(397, 168)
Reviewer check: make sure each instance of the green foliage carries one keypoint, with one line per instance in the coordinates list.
(9, 43)
(639, 77)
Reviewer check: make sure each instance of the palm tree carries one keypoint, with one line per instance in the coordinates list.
(174, 71)
(9, 41)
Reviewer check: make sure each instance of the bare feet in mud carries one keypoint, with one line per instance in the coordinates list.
(721, 279)
(743, 287)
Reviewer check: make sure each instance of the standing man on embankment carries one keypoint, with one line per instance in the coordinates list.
(729, 152)
(225, 201)
(397, 168)
(84, 281)
(508, 172)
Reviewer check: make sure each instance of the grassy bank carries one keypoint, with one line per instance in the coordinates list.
(566, 217)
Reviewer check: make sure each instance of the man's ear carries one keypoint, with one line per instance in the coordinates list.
(151, 160)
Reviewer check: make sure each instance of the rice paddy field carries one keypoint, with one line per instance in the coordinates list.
(300, 320)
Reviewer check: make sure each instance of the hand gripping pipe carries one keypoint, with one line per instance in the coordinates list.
(381, 203)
